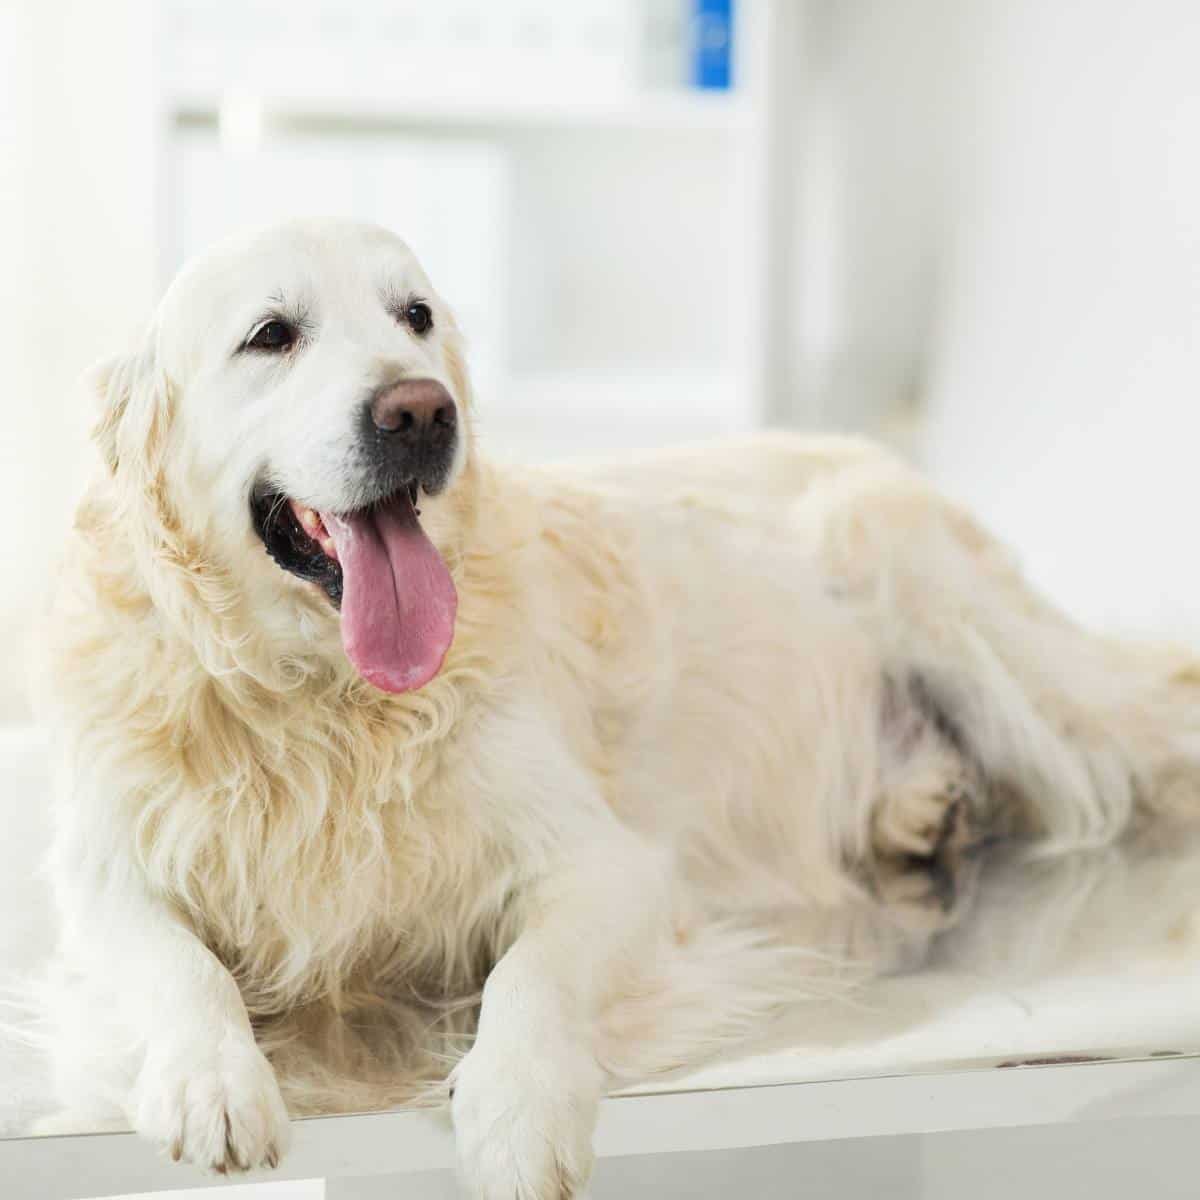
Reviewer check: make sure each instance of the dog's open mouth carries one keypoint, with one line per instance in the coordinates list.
(376, 564)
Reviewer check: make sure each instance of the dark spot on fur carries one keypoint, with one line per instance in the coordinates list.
(934, 711)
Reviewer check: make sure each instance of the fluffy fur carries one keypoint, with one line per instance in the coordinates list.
(720, 728)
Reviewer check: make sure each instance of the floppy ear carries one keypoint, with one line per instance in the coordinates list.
(132, 434)
(111, 382)
(133, 400)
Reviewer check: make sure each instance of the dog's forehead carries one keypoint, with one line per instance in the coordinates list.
(301, 262)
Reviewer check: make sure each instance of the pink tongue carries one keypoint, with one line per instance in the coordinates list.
(398, 600)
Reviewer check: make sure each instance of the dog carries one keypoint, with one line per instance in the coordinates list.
(390, 774)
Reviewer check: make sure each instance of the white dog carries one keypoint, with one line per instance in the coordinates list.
(356, 725)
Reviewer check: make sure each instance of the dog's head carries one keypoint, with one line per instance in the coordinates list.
(299, 423)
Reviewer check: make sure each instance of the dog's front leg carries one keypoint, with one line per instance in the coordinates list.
(526, 1096)
(200, 1086)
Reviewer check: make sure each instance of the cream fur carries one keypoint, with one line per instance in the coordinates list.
(653, 796)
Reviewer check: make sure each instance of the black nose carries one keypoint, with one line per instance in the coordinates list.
(413, 407)
(414, 430)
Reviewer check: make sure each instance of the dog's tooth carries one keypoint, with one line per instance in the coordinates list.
(326, 544)
(309, 519)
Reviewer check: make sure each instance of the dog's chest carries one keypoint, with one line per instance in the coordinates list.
(361, 890)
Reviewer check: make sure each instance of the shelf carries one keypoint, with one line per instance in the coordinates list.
(667, 112)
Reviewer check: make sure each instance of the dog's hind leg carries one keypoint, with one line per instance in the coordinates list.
(934, 815)
(1081, 732)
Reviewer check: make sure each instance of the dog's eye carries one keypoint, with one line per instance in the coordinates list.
(272, 336)
(419, 316)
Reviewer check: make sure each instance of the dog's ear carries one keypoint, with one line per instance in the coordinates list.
(115, 382)
(111, 383)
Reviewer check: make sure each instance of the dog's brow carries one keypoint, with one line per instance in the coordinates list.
(395, 297)
(278, 304)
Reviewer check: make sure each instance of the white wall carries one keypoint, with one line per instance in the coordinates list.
(881, 76)
(77, 245)
(1065, 394)
(1002, 220)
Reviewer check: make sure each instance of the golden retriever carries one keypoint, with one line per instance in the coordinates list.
(374, 751)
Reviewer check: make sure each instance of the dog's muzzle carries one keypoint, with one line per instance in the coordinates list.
(409, 435)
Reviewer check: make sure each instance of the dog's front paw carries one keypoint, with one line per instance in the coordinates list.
(523, 1120)
(213, 1102)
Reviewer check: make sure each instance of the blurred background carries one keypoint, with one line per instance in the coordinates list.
(970, 227)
